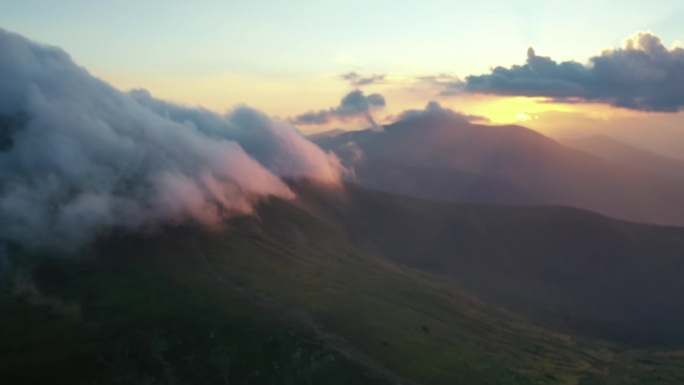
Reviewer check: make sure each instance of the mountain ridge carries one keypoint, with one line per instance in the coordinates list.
(537, 169)
(618, 152)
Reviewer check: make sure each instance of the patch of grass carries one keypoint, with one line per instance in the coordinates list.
(138, 326)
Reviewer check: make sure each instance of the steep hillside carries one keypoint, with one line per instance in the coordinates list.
(116, 316)
(350, 286)
(582, 271)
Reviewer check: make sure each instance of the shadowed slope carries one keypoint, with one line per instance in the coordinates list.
(325, 265)
(575, 269)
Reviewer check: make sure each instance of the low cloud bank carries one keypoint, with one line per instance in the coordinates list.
(79, 157)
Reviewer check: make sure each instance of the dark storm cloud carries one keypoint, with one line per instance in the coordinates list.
(643, 75)
(433, 108)
(357, 80)
(352, 106)
(79, 157)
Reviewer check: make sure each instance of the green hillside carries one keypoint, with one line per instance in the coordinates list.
(304, 293)
(119, 319)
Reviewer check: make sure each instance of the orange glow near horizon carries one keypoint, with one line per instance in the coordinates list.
(277, 96)
(507, 110)
(282, 97)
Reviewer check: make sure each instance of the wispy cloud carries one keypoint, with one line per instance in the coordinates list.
(358, 80)
(447, 84)
(78, 157)
(354, 105)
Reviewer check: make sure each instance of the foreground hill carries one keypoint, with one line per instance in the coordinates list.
(142, 311)
(353, 286)
(440, 157)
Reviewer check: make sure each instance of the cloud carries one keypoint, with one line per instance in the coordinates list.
(78, 157)
(450, 85)
(642, 75)
(354, 105)
(433, 108)
(276, 145)
(351, 154)
(357, 80)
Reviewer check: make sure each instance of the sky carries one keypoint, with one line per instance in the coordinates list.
(288, 57)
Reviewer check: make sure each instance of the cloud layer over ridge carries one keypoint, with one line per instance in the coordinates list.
(78, 157)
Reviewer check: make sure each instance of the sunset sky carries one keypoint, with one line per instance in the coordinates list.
(289, 57)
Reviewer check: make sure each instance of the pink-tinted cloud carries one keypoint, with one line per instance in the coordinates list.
(79, 158)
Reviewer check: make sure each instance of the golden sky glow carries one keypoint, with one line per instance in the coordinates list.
(222, 54)
(287, 96)
(278, 96)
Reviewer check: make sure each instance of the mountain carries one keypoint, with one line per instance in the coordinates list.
(349, 285)
(435, 183)
(439, 157)
(572, 269)
(617, 152)
(146, 242)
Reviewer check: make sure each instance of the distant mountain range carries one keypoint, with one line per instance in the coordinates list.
(620, 153)
(439, 157)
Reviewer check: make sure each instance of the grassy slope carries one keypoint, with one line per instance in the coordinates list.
(570, 268)
(150, 307)
(420, 327)
(431, 333)
(121, 320)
